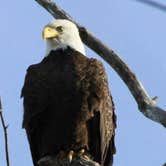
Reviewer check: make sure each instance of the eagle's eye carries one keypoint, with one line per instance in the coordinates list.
(59, 29)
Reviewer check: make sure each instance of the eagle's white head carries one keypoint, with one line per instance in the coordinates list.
(62, 33)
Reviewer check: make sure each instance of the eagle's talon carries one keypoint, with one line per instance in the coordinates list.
(70, 155)
(86, 157)
(81, 152)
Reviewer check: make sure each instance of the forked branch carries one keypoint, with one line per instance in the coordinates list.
(145, 104)
(5, 134)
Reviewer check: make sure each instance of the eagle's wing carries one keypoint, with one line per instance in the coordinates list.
(104, 121)
(35, 101)
(35, 97)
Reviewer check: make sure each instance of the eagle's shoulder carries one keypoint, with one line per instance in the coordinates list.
(32, 68)
(98, 70)
(98, 77)
(96, 63)
(30, 77)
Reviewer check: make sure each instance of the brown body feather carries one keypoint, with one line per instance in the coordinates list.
(67, 105)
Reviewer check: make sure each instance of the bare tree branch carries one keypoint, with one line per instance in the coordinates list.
(5, 134)
(145, 104)
(153, 4)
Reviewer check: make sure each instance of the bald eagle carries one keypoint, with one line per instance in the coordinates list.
(67, 104)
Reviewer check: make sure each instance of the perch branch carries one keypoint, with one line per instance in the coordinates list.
(145, 104)
(5, 134)
(54, 161)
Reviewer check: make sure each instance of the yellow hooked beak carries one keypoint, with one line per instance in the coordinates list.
(49, 32)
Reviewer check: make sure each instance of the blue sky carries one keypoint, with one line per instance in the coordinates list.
(135, 31)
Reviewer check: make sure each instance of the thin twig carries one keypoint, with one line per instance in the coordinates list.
(145, 104)
(5, 135)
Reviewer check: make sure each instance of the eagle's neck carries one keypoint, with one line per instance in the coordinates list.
(76, 45)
